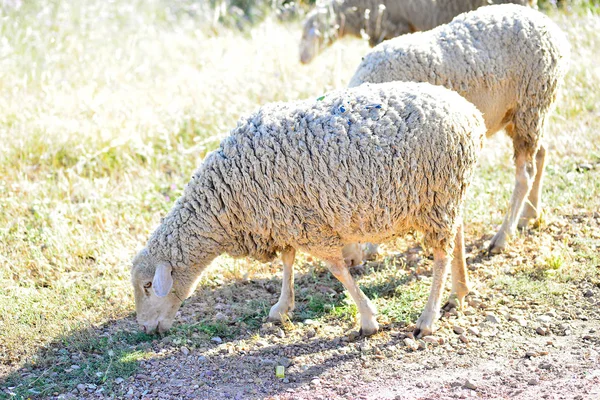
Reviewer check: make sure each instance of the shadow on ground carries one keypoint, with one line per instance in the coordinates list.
(221, 331)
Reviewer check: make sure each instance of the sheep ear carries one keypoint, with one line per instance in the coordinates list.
(163, 281)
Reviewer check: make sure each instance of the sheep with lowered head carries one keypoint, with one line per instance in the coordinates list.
(379, 20)
(362, 164)
(509, 61)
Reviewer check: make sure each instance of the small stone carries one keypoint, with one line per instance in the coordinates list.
(463, 338)
(310, 322)
(310, 333)
(75, 367)
(540, 330)
(470, 385)
(81, 387)
(280, 333)
(544, 319)
(285, 380)
(531, 354)
(545, 365)
(217, 340)
(431, 340)
(267, 361)
(411, 344)
(315, 382)
(458, 330)
(492, 318)
(118, 381)
(177, 382)
(588, 293)
(286, 362)
(585, 167)
(185, 350)
(533, 382)
(473, 331)
(474, 303)
(219, 316)
(364, 347)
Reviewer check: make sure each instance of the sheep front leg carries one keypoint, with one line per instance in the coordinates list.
(532, 208)
(368, 322)
(460, 278)
(425, 323)
(525, 172)
(286, 299)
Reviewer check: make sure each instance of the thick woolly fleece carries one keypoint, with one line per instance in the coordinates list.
(362, 164)
(508, 60)
(382, 19)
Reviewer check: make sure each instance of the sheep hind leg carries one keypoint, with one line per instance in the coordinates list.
(431, 313)
(286, 300)
(525, 171)
(532, 208)
(368, 322)
(460, 278)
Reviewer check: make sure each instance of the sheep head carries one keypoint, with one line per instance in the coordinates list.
(159, 291)
(316, 34)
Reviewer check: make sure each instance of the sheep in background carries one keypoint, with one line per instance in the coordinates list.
(509, 61)
(379, 20)
(362, 164)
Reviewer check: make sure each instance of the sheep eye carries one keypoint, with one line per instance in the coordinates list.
(148, 285)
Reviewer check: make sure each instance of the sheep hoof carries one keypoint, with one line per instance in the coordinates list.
(368, 332)
(452, 303)
(528, 215)
(498, 244)
(368, 328)
(523, 222)
(425, 324)
(278, 315)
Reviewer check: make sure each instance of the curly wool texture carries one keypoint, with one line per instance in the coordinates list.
(508, 60)
(362, 164)
(385, 19)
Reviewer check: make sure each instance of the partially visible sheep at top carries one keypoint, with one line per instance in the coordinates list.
(507, 60)
(358, 165)
(379, 20)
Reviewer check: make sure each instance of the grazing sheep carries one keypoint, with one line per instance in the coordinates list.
(362, 164)
(509, 61)
(379, 20)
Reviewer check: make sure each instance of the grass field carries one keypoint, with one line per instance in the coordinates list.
(106, 108)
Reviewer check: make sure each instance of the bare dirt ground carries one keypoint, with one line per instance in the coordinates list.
(509, 342)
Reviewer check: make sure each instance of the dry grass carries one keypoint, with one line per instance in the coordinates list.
(108, 107)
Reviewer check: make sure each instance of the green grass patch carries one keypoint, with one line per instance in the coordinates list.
(82, 357)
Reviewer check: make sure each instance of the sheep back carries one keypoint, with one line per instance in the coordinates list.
(502, 58)
(361, 164)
